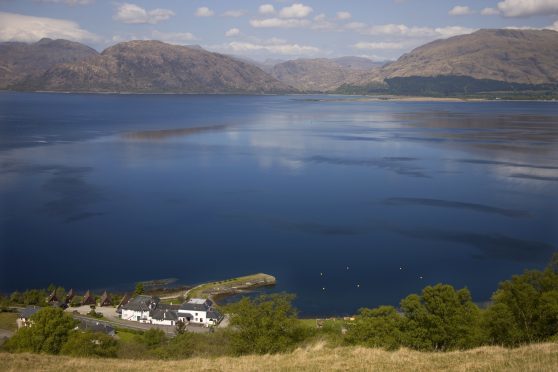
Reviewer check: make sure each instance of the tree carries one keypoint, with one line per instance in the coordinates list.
(441, 319)
(16, 298)
(525, 308)
(34, 297)
(266, 324)
(88, 344)
(379, 327)
(49, 330)
(180, 327)
(139, 289)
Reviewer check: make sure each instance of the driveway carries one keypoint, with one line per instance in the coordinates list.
(4, 335)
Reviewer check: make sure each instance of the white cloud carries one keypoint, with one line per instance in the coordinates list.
(344, 15)
(527, 8)
(234, 13)
(19, 27)
(204, 12)
(232, 32)
(355, 25)
(274, 46)
(445, 32)
(266, 9)
(489, 12)
(296, 10)
(554, 26)
(322, 23)
(179, 38)
(460, 10)
(279, 23)
(413, 32)
(134, 14)
(378, 45)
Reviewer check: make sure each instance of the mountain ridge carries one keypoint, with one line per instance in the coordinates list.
(485, 60)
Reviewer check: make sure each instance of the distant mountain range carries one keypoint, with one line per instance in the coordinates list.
(322, 74)
(20, 61)
(484, 61)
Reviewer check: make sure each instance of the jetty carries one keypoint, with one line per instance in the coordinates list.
(226, 287)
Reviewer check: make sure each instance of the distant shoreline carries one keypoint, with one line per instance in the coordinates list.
(345, 97)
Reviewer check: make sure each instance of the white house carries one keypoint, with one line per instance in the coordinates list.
(199, 311)
(147, 309)
(139, 309)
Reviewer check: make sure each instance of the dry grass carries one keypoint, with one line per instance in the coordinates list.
(540, 357)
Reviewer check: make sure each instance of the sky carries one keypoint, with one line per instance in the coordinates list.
(273, 29)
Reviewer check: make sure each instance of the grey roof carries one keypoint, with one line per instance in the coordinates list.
(164, 314)
(28, 311)
(195, 305)
(141, 303)
(95, 326)
(214, 314)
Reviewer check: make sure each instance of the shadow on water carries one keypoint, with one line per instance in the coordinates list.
(438, 203)
(155, 135)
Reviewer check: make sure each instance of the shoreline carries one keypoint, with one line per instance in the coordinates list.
(221, 289)
(342, 97)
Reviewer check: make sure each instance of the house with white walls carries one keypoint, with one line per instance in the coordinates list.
(148, 309)
(139, 308)
(199, 311)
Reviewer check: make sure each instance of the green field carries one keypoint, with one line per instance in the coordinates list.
(8, 321)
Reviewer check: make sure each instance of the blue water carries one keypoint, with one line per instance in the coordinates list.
(347, 203)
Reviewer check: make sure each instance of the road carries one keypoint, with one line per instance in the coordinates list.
(136, 326)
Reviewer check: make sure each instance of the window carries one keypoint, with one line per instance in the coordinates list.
(201, 320)
(196, 314)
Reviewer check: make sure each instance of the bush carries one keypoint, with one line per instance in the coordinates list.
(90, 344)
(49, 331)
(153, 337)
(95, 314)
(441, 319)
(380, 327)
(525, 308)
(266, 324)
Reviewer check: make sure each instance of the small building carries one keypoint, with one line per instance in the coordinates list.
(24, 316)
(105, 300)
(164, 315)
(138, 309)
(52, 297)
(88, 299)
(125, 299)
(69, 296)
(95, 326)
(199, 311)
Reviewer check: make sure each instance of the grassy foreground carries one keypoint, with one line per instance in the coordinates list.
(537, 357)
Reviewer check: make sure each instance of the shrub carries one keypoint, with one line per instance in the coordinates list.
(90, 344)
(49, 331)
(266, 324)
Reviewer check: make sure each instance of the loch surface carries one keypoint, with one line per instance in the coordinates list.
(347, 203)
